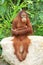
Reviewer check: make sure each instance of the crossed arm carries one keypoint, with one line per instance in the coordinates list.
(22, 31)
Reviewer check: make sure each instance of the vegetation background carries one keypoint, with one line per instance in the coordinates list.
(9, 10)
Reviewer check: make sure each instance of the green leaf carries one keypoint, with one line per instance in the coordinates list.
(0, 50)
(41, 16)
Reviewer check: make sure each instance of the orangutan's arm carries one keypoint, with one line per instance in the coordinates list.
(14, 24)
(23, 30)
(29, 27)
(20, 32)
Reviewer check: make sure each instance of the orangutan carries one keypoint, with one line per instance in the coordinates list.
(21, 28)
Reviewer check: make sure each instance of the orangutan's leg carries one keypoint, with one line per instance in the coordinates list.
(26, 42)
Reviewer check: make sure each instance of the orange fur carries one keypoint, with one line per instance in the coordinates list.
(17, 42)
(21, 38)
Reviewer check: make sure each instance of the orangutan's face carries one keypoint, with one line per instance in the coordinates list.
(23, 16)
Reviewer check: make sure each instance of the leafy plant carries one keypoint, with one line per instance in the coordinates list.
(0, 50)
(10, 8)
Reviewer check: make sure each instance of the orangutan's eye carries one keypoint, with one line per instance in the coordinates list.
(23, 16)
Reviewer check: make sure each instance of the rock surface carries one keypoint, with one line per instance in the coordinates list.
(2, 62)
(34, 57)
